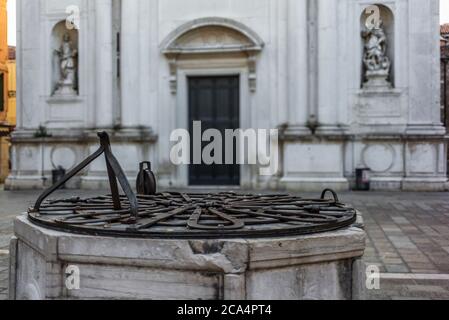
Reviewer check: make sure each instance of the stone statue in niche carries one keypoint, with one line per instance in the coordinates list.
(377, 64)
(67, 55)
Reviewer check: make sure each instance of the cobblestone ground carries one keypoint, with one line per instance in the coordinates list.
(408, 240)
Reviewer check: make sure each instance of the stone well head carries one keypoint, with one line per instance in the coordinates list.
(175, 245)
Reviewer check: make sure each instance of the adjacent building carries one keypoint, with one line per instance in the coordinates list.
(8, 119)
(7, 94)
(11, 64)
(349, 84)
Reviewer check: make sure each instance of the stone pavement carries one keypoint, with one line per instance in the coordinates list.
(408, 239)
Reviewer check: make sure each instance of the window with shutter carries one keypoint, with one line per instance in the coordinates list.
(2, 92)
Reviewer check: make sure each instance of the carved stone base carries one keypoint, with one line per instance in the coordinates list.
(377, 80)
(324, 266)
(66, 90)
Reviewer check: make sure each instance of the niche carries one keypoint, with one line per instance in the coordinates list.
(64, 42)
(377, 47)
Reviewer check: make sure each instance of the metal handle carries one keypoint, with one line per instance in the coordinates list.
(115, 172)
(334, 194)
(142, 164)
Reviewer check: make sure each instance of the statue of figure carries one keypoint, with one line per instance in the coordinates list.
(67, 83)
(377, 64)
(375, 52)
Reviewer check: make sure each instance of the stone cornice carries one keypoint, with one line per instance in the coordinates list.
(141, 135)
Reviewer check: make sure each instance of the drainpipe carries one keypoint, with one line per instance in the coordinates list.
(312, 39)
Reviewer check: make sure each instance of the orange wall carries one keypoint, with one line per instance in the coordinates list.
(4, 141)
(3, 32)
(4, 54)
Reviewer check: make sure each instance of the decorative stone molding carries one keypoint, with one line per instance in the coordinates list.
(61, 99)
(379, 164)
(212, 36)
(252, 67)
(63, 156)
(173, 64)
(60, 136)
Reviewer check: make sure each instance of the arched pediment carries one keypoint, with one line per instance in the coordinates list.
(212, 35)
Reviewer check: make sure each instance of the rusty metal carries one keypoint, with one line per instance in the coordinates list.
(115, 172)
(176, 215)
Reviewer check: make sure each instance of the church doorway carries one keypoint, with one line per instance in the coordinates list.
(215, 101)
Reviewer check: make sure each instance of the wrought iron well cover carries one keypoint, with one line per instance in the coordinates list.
(186, 215)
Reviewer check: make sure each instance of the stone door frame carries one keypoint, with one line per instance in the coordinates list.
(182, 107)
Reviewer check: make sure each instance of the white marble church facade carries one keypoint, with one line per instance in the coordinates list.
(300, 68)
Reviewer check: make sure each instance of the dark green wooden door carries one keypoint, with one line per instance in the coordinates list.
(215, 101)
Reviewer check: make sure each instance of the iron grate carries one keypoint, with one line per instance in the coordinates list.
(175, 215)
(182, 215)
